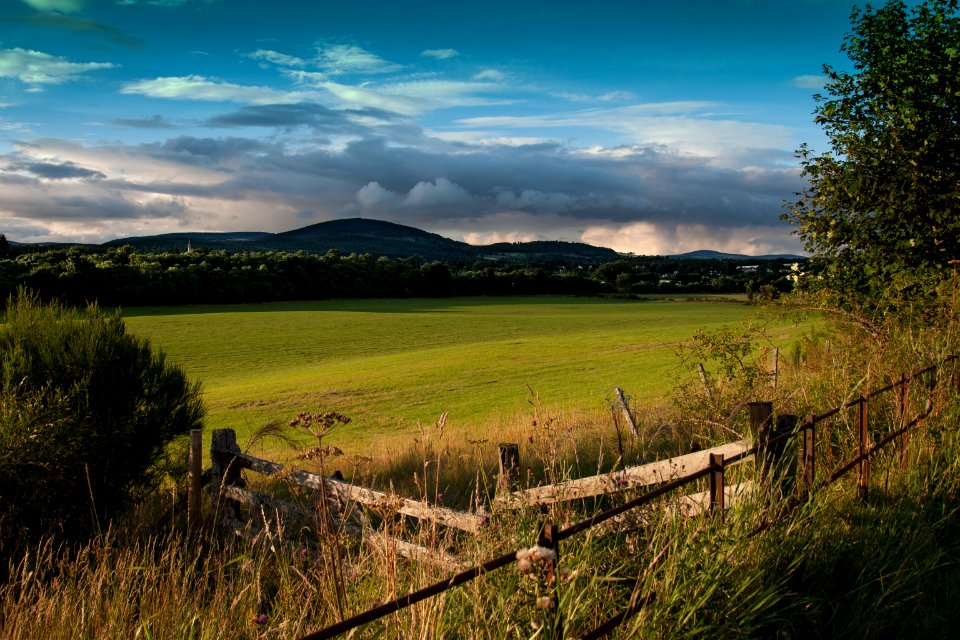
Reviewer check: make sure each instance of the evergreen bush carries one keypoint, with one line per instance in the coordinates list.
(86, 412)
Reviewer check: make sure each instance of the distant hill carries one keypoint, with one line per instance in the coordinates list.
(232, 241)
(381, 238)
(706, 254)
(376, 237)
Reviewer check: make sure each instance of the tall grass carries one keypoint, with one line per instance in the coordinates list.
(832, 566)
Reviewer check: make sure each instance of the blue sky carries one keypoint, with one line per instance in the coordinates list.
(649, 127)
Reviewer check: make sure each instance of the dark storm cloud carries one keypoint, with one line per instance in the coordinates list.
(208, 151)
(156, 122)
(547, 190)
(287, 116)
(58, 171)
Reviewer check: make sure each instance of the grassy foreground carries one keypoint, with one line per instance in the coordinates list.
(394, 364)
(835, 566)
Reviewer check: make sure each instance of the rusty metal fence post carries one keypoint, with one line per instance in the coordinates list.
(808, 455)
(863, 412)
(553, 621)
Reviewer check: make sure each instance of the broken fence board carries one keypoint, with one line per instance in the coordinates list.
(347, 492)
(377, 541)
(628, 478)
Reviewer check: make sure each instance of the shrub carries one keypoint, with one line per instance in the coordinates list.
(86, 410)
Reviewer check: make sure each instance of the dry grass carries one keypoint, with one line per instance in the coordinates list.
(832, 567)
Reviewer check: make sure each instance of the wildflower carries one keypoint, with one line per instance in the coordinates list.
(542, 554)
(530, 437)
(439, 497)
(303, 552)
(260, 618)
(544, 602)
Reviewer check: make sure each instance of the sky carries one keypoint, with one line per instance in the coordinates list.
(649, 127)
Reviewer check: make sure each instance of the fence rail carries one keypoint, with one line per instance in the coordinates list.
(670, 475)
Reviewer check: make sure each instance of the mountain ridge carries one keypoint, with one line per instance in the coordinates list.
(393, 240)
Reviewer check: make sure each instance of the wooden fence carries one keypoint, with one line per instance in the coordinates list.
(771, 450)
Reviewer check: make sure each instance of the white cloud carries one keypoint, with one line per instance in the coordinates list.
(810, 81)
(372, 197)
(438, 193)
(64, 6)
(342, 59)
(277, 58)
(490, 74)
(200, 88)
(683, 126)
(36, 67)
(363, 97)
(610, 96)
(440, 54)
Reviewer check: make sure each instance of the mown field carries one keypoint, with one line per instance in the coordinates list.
(394, 364)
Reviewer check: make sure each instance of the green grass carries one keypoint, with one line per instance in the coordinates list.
(391, 364)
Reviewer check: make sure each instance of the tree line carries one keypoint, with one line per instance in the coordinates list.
(121, 276)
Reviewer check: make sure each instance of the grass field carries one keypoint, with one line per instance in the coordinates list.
(391, 364)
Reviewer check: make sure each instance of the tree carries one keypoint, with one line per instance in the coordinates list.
(880, 212)
(86, 412)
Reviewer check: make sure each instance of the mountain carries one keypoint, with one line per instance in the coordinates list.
(376, 237)
(705, 254)
(232, 241)
(381, 238)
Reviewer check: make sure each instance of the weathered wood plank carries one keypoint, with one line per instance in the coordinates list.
(376, 540)
(697, 503)
(347, 492)
(628, 478)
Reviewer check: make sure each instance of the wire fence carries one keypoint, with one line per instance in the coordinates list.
(769, 449)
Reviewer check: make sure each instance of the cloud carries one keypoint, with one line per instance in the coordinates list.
(343, 59)
(687, 126)
(641, 198)
(809, 81)
(155, 122)
(373, 197)
(36, 67)
(66, 6)
(280, 59)
(58, 171)
(610, 96)
(162, 3)
(440, 54)
(490, 74)
(84, 26)
(195, 87)
(364, 97)
(437, 193)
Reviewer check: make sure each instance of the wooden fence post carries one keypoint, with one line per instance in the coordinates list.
(225, 471)
(864, 420)
(761, 417)
(809, 455)
(195, 466)
(548, 540)
(509, 476)
(783, 468)
(716, 482)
